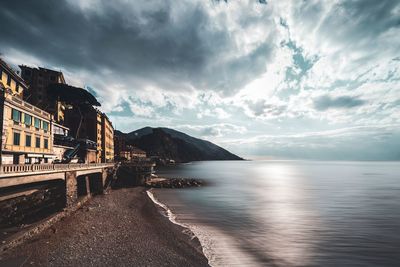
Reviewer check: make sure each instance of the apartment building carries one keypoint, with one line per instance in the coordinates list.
(26, 129)
(90, 127)
(10, 80)
(107, 139)
(38, 80)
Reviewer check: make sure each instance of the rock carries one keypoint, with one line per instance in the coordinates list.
(174, 183)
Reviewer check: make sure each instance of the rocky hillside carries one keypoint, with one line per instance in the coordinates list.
(171, 144)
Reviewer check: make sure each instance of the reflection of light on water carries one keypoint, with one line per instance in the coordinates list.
(285, 213)
(210, 238)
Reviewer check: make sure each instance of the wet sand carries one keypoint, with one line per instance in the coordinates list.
(121, 228)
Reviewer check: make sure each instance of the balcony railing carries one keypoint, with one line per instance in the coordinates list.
(18, 168)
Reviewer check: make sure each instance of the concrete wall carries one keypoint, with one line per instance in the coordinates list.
(59, 151)
(84, 185)
(71, 188)
(33, 201)
(32, 204)
(132, 175)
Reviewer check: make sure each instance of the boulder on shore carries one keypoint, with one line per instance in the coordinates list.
(173, 183)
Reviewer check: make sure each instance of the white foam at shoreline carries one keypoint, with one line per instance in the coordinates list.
(170, 215)
(218, 248)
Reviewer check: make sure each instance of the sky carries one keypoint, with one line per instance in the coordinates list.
(270, 79)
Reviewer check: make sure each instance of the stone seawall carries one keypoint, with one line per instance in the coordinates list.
(30, 203)
(131, 175)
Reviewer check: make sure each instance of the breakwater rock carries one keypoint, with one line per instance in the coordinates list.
(173, 183)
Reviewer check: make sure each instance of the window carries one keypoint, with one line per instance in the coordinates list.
(53, 78)
(28, 140)
(38, 142)
(16, 115)
(8, 80)
(17, 138)
(17, 88)
(37, 123)
(45, 126)
(46, 143)
(27, 120)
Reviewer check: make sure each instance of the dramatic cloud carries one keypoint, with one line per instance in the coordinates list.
(225, 69)
(174, 46)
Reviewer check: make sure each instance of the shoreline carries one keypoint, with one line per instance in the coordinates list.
(172, 217)
(123, 227)
(218, 246)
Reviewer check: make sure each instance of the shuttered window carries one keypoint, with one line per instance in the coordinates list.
(38, 142)
(27, 119)
(28, 140)
(37, 123)
(17, 139)
(16, 115)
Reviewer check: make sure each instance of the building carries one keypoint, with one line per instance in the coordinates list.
(131, 153)
(124, 155)
(136, 153)
(107, 139)
(26, 132)
(10, 80)
(119, 146)
(61, 141)
(26, 129)
(90, 127)
(126, 152)
(38, 80)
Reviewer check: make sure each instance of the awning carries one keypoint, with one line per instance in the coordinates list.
(50, 156)
(34, 155)
(41, 156)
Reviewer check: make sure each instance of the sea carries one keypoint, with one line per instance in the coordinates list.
(289, 213)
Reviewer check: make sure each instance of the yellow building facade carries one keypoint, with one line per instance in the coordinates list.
(99, 136)
(10, 81)
(26, 129)
(107, 139)
(27, 135)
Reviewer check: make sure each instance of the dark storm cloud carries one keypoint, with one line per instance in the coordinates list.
(326, 102)
(150, 44)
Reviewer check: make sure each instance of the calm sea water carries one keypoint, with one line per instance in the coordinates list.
(291, 213)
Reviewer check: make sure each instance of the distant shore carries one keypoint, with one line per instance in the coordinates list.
(123, 227)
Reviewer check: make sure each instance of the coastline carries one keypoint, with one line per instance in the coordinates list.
(123, 227)
(217, 246)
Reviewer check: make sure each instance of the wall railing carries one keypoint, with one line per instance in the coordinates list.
(18, 168)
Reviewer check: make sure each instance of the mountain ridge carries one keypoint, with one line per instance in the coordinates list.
(168, 143)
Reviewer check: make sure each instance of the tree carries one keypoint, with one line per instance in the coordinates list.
(79, 98)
